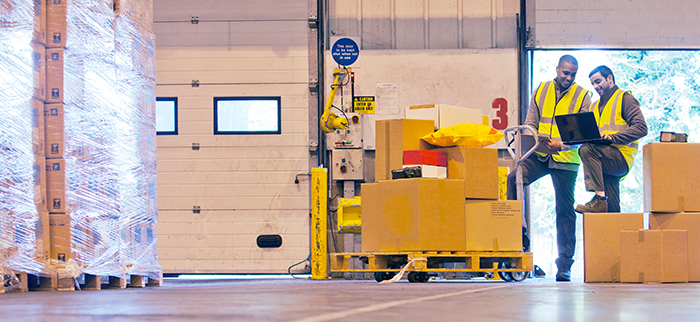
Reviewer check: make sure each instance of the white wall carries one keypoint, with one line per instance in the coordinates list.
(244, 184)
(635, 24)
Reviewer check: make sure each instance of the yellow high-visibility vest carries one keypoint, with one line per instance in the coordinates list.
(546, 99)
(610, 121)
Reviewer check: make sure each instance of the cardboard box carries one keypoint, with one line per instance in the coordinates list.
(38, 128)
(39, 67)
(416, 214)
(669, 187)
(427, 157)
(653, 256)
(55, 137)
(43, 240)
(39, 21)
(601, 244)
(430, 171)
(689, 221)
(56, 185)
(478, 167)
(494, 225)
(60, 235)
(40, 187)
(445, 115)
(394, 137)
(56, 23)
(54, 75)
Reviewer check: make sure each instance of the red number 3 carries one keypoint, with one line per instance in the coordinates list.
(500, 122)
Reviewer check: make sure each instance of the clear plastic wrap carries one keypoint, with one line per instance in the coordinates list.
(22, 226)
(107, 144)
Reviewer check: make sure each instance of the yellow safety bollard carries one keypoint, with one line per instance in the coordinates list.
(319, 223)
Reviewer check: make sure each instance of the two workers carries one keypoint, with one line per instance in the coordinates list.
(619, 119)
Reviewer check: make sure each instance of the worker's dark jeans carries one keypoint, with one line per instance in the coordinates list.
(564, 182)
(603, 167)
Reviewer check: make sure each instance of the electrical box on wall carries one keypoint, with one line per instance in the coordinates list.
(347, 164)
(349, 138)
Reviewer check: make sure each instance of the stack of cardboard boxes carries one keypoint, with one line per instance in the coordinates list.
(619, 249)
(459, 213)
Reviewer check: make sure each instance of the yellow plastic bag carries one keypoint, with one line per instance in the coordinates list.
(465, 134)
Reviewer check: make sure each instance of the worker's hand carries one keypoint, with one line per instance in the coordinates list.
(607, 137)
(553, 145)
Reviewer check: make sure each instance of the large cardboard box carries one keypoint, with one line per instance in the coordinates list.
(394, 137)
(478, 167)
(445, 115)
(60, 235)
(43, 240)
(601, 244)
(54, 119)
(653, 256)
(689, 221)
(494, 225)
(56, 23)
(56, 185)
(54, 75)
(417, 214)
(671, 177)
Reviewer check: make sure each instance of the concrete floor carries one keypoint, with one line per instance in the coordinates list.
(340, 300)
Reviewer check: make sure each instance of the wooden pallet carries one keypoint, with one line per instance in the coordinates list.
(485, 262)
(62, 281)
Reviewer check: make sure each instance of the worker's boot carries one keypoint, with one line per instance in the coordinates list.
(597, 204)
(564, 269)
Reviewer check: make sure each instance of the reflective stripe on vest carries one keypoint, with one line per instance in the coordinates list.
(548, 107)
(610, 121)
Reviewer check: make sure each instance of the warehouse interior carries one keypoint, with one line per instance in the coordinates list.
(301, 160)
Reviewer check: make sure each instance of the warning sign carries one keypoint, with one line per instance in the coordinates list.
(363, 104)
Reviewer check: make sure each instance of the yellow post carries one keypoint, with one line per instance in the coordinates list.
(319, 223)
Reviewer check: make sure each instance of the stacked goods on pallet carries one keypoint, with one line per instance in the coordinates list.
(407, 214)
(23, 217)
(100, 137)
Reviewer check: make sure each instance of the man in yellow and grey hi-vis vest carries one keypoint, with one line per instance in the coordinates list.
(621, 121)
(557, 97)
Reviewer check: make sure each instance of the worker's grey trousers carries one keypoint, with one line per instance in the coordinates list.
(603, 167)
(564, 182)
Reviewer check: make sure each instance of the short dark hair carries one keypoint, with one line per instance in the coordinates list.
(604, 71)
(569, 59)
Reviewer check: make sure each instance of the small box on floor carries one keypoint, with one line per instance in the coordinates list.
(689, 221)
(601, 244)
(653, 256)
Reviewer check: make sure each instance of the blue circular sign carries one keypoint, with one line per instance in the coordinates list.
(345, 51)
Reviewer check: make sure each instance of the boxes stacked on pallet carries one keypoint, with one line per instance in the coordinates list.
(100, 136)
(406, 214)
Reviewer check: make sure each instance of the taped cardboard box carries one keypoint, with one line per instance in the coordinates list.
(60, 235)
(56, 185)
(671, 172)
(653, 256)
(56, 13)
(445, 115)
(689, 221)
(478, 167)
(395, 136)
(54, 75)
(418, 214)
(494, 225)
(601, 244)
(54, 118)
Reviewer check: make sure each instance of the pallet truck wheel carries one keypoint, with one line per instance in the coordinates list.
(413, 277)
(518, 276)
(504, 275)
(379, 276)
(423, 277)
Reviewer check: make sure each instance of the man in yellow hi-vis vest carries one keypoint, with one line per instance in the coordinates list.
(557, 97)
(621, 121)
